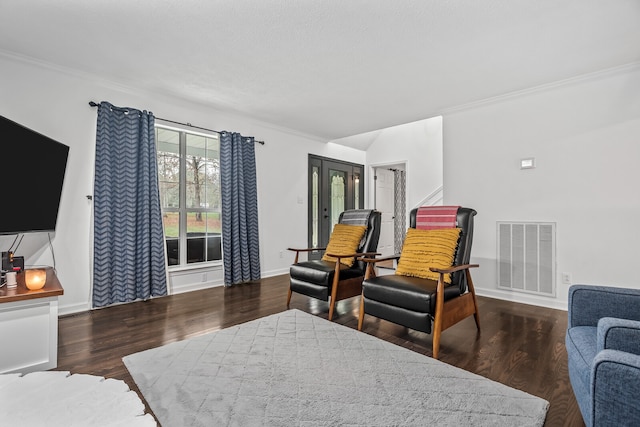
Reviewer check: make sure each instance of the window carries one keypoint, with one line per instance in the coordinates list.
(189, 175)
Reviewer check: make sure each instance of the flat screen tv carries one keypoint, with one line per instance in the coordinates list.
(32, 168)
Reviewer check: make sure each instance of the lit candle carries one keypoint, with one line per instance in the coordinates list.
(35, 279)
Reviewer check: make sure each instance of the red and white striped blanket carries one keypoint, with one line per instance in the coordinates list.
(434, 217)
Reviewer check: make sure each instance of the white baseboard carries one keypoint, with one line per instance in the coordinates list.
(277, 272)
(522, 298)
(181, 289)
(73, 308)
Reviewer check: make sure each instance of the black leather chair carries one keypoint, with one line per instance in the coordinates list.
(334, 281)
(419, 303)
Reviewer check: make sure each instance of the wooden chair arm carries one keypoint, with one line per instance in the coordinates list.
(453, 268)
(359, 254)
(306, 249)
(384, 258)
(298, 250)
(369, 254)
(370, 271)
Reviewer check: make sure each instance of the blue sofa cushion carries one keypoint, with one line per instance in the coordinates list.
(619, 334)
(581, 349)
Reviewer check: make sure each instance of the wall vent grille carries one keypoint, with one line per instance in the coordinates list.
(527, 257)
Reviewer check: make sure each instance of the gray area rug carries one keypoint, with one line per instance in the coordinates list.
(296, 369)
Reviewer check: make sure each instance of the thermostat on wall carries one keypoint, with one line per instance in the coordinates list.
(528, 163)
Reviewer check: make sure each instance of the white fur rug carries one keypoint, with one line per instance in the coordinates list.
(57, 399)
(294, 369)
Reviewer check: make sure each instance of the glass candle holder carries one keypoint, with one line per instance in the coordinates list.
(35, 278)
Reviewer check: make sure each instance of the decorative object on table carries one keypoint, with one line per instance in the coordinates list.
(12, 281)
(294, 368)
(603, 348)
(35, 278)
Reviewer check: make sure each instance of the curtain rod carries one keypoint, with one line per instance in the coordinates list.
(94, 104)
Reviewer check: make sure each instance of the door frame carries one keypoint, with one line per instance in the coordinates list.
(386, 206)
(402, 165)
(322, 164)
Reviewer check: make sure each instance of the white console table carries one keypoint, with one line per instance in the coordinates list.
(29, 326)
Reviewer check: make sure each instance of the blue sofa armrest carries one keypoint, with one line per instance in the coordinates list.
(587, 304)
(615, 385)
(618, 334)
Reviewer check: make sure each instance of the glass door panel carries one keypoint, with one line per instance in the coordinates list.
(338, 190)
(315, 206)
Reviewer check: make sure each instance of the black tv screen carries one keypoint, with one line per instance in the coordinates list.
(32, 168)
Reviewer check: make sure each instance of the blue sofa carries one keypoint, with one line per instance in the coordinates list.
(603, 347)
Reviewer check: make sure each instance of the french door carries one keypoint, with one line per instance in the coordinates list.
(334, 186)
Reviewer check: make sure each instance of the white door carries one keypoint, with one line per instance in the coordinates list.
(385, 204)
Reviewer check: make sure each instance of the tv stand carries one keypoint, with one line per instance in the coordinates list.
(29, 326)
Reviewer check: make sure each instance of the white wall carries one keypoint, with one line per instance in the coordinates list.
(585, 137)
(417, 145)
(55, 102)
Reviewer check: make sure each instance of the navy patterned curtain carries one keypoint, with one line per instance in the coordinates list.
(129, 255)
(240, 241)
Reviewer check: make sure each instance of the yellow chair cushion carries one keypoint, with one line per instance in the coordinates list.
(423, 249)
(344, 240)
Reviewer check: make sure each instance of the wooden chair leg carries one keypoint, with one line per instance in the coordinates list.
(332, 305)
(361, 314)
(295, 261)
(334, 290)
(472, 290)
(457, 309)
(436, 343)
(437, 323)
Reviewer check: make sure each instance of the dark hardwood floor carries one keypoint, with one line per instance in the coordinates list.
(520, 345)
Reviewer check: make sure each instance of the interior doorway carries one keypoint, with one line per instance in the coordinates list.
(384, 202)
(334, 186)
(389, 197)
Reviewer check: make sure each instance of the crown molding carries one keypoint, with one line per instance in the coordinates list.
(583, 78)
(165, 95)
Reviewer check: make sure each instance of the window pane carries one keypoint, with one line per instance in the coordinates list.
(214, 224)
(168, 146)
(315, 194)
(356, 191)
(203, 237)
(337, 195)
(203, 165)
(173, 251)
(212, 194)
(171, 221)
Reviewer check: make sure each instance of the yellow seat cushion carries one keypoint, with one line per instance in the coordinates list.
(344, 240)
(423, 249)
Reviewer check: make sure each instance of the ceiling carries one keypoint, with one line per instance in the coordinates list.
(326, 68)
